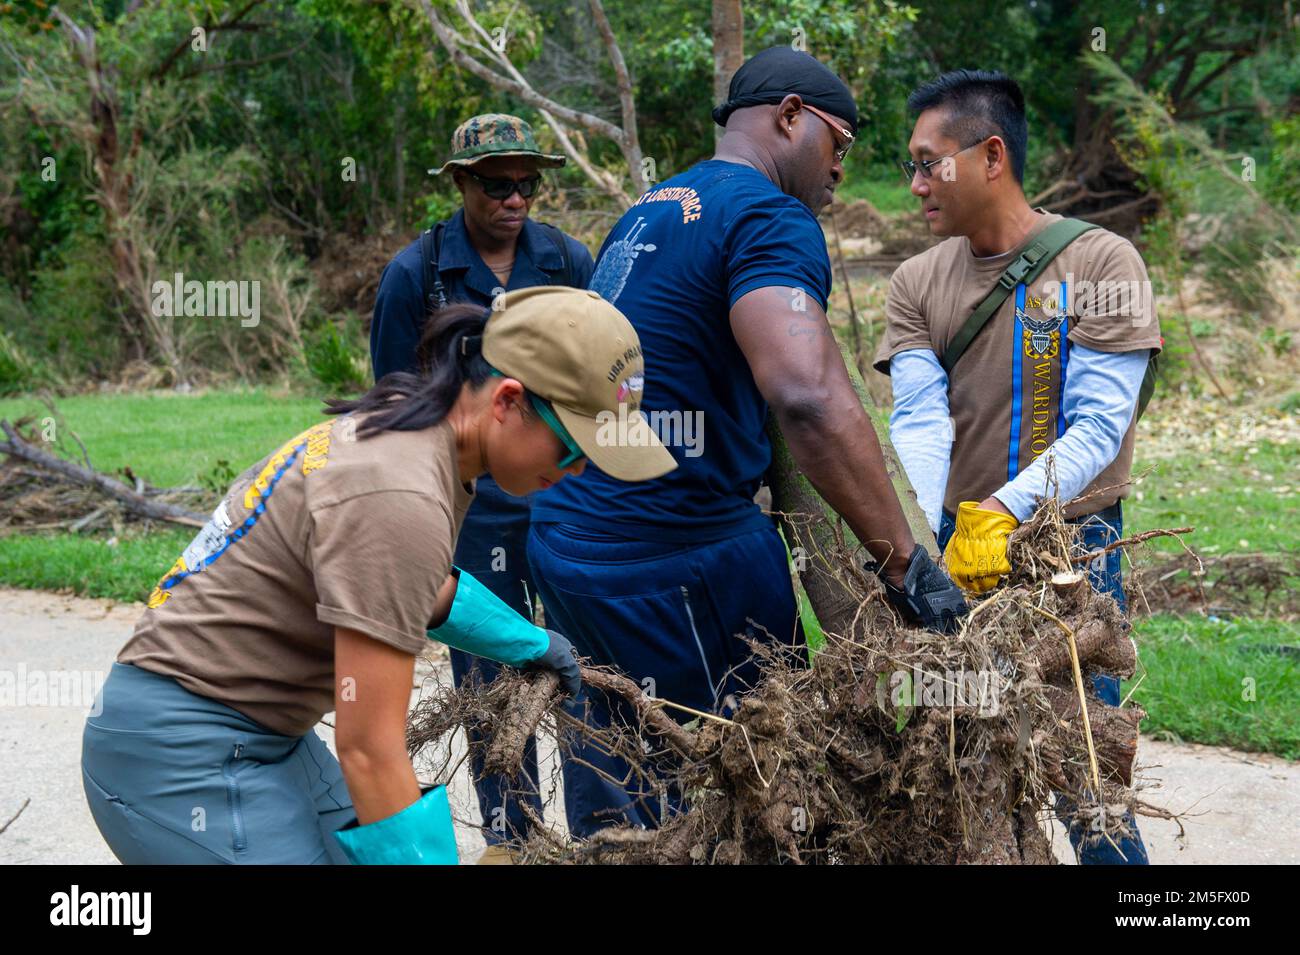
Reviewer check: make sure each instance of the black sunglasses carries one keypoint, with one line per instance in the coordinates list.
(505, 188)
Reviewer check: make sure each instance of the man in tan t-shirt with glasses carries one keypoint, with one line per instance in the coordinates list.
(1059, 363)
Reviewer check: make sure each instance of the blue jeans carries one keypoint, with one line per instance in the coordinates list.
(176, 778)
(674, 617)
(491, 549)
(1106, 575)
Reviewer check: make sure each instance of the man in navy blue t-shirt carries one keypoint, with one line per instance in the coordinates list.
(723, 272)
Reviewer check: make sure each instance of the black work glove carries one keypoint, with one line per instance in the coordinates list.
(928, 597)
(561, 658)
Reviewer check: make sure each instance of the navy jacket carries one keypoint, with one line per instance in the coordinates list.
(400, 307)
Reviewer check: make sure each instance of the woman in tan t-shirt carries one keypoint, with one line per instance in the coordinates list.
(319, 580)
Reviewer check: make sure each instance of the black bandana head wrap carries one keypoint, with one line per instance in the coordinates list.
(771, 76)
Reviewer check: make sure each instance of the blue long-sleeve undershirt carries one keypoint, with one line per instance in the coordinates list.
(1101, 392)
(920, 428)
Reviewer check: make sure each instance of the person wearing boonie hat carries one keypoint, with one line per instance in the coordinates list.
(325, 572)
(489, 245)
(495, 134)
(723, 272)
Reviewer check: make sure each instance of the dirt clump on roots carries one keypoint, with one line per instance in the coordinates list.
(894, 745)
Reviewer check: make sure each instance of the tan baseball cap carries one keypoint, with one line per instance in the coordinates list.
(581, 354)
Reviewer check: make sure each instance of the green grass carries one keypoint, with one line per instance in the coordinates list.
(171, 439)
(94, 566)
(1195, 672)
(1232, 499)
(890, 194)
(166, 438)
(1244, 499)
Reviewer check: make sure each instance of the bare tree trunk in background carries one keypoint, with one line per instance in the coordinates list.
(113, 193)
(113, 136)
(728, 49)
(478, 54)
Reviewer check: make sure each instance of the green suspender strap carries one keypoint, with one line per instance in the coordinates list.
(1028, 265)
(1148, 383)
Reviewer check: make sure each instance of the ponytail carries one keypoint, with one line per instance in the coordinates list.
(450, 354)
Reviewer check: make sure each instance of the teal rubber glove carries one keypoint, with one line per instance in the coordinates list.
(421, 834)
(483, 624)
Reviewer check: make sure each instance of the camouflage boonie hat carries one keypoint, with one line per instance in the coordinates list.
(494, 134)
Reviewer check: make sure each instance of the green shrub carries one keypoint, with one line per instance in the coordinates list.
(336, 359)
(15, 372)
(439, 206)
(74, 325)
(219, 477)
(1282, 178)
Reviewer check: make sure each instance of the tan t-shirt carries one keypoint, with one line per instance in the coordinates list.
(932, 294)
(333, 529)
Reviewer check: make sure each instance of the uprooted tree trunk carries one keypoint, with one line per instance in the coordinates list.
(894, 745)
(813, 531)
(1184, 58)
(1099, 635)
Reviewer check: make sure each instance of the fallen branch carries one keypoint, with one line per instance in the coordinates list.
(649, 710)
(507, 749)
(26, 803)
(15, 446)
(1129, 541)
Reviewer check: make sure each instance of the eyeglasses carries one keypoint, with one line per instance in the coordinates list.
(544, 409)
(910, 166)
(547, 414)
(505, 188)
(840, 131)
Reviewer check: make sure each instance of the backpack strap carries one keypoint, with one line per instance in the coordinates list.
(557, 239)
(1148, 382)
(1025, 268)
(435, 296)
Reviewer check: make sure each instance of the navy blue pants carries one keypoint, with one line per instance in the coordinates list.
(673, 617)
(491, 549)
(1106, 574)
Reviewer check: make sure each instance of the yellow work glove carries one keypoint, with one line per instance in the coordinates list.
(976, 555)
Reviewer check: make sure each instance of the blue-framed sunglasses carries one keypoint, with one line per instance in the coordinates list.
(547, 414)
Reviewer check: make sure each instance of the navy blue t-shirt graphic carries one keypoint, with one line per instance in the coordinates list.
(666, 579)
(674, 265)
